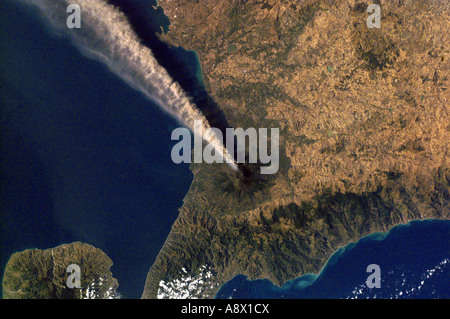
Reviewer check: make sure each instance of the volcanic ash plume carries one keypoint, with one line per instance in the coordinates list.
(107, 36)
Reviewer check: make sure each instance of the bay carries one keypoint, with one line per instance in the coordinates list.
(85, 157)
(413, 259)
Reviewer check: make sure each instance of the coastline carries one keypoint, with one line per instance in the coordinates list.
(309, 279)
(87, 169)
(213, 229)
(341, 177)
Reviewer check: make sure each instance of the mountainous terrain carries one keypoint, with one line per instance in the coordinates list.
(364, 134)
(43, 274)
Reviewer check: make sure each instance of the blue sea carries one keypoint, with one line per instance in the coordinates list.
(413, 262)
(84, 157)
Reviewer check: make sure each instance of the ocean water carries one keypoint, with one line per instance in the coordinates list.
(413, 259)
(84, 156)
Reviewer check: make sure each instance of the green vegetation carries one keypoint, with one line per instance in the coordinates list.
(42, 274)
(231, 48)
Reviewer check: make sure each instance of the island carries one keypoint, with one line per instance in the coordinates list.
(47, 274)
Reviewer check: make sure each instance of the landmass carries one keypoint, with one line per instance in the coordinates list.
(42, 274)
(364, 134)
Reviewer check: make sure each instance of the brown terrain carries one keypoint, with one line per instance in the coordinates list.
(364, 132)
(42, 274)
